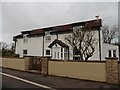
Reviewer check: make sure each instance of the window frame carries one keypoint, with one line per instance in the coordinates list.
(48, 38)
(25, 38)
(47, 52)
(109, 53)
(66, 53)
(112, 53)
(25, 51)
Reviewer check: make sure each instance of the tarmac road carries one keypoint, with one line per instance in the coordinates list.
(18, 79)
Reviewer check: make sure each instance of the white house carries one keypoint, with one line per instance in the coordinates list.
(51, 42)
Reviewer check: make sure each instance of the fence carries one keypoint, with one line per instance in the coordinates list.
(14, 63)
(106, 71)
(82, 70)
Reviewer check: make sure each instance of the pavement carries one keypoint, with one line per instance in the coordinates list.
(20, 79)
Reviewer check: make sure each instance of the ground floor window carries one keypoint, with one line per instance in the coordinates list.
(109, 53)
(25, 52)
(60, 53)
(76, 55)
(47, 52)
(112, 53)
(65, 53)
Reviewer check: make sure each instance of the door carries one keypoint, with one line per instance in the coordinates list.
(56, 53)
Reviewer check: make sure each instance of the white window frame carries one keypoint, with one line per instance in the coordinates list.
(26, 51)
(65, 52)
(48, 38)
(46, 52)
(25, 38)
(112, 52)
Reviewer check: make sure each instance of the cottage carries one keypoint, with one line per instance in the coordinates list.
(51, 42)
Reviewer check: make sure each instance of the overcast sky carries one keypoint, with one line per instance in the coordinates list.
(18, 16)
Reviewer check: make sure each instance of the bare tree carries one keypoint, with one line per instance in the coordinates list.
(13, 47)
(3, 45)
(82, 42)
(112, 33)
(109, 33)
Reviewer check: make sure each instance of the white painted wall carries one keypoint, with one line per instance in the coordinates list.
(47, 43)
(104, 49)
(35, 46)
(62, 38)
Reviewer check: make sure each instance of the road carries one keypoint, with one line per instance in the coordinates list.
(18, 79)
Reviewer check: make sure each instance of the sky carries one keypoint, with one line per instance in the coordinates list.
(19, 16)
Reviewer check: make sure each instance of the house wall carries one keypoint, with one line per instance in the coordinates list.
(62, 38)
(106, 47)
(82, 70)
(104, 51)
(96, 52)
(34, 46)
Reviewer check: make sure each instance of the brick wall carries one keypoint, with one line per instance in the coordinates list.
(112, 70)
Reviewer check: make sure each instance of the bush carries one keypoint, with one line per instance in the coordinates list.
(8, 53)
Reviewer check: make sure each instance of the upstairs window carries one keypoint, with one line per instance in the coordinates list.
(48, 38)
(25, 39)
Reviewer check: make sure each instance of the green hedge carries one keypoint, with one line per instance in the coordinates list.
(8, 53)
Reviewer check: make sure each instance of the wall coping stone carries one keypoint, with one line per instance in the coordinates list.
(111, 58)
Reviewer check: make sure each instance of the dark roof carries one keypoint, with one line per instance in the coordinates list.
(37, 32)
(18, 36)
(91, 24)
(31, 33)
(56, 41)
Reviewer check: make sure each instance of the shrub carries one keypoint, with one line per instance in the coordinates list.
(8, 53)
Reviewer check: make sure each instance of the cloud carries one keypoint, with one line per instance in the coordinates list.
(0, 21)
(17, 16)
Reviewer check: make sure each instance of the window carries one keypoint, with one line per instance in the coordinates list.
(47, 52)
(55, 55)
(114, 53)
(61, 53)
(65, 53)
(48, 38)
(24, 52)
(109, 52)
(25, 39)
(58, 55)
(76, 55)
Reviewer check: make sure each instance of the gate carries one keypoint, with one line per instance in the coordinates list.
(35, 63)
